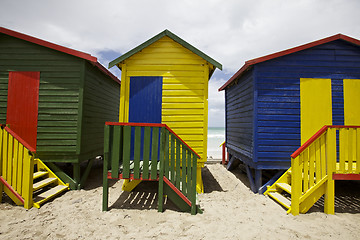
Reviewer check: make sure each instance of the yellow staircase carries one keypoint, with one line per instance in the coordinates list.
(280, 191)
(27, 181)
(46, 185)
(333, 153)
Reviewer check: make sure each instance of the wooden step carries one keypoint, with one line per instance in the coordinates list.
(284, 186)
(39, 174)
(280, 199)
(49, 194)
(43, 183)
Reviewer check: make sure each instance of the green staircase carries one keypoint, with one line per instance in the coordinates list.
(155, 153)
(46, 185)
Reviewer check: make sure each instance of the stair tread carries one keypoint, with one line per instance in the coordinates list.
(43, 183)
(284, 186)
(49, 194)
(39, 174)
(280, 199)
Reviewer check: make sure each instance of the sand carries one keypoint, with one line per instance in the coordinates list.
(231, 211)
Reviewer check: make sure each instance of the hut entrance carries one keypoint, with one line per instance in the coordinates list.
(316, 106)
(22, 105)
(145, 99)
(144, 105)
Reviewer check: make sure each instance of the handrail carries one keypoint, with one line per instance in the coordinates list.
(149, 151)
(16, 167)
(22, 141)
(333, 150)
(317, 135)
(152, 125)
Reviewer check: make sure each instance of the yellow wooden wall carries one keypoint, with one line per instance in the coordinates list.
(185, 89)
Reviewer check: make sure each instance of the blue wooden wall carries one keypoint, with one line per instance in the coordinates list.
(274, 86)
(239, 100)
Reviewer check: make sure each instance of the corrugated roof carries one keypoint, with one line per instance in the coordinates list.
(250, 63)
(156, 38)
(86, 56)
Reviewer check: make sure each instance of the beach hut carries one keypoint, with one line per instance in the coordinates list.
(57, 100)
(275, 103)
(165, 80)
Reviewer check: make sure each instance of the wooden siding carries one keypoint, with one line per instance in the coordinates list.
(58, 94)
(240, 116)
(100, 103)
(185, 88)
(278, 96)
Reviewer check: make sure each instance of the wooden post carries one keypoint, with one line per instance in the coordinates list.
(1, 161)
(163, 139)
(295, 185)
(105, 169)
(193, 183)
(223, 154)
(329, 202)
(28, 180)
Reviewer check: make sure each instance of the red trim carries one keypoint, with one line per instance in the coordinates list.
(136, 124)
(19, 139)
(11, 189)
(107, 72)
(63, 49)
(177, 191)
(151, 125)
(249, 63)
(48, 44)
(315, 136)
(349, 176)
(131, 177)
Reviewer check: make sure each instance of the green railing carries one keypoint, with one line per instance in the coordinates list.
(145, 151)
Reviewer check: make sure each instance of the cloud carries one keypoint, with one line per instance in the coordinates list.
(231, 31)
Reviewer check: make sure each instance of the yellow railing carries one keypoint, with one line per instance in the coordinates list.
(16, 168)
(315, 162)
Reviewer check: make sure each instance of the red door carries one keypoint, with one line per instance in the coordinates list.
(22, 105)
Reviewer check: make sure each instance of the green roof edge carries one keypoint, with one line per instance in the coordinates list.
(156, 38)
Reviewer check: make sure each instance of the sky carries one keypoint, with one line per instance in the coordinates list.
(229, 31)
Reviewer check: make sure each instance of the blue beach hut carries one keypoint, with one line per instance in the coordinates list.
(275, 103)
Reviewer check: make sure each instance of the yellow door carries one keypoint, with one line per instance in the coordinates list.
(315, 106)
(352, 101)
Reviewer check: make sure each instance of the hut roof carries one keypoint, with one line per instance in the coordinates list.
(250, 63)
(156, 38)
(86, 56)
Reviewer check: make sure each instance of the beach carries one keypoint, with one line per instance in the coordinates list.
(231, 211)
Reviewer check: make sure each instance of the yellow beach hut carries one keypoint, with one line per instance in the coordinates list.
(165, 80)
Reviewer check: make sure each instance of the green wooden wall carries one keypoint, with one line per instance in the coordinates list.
(63, 112)
(100, 104)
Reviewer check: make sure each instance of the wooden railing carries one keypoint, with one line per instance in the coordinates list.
(145, 151)
(16, 168)
(315, 163)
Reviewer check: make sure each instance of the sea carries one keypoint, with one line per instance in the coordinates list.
(216, 136)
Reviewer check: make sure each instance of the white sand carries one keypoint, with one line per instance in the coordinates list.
(231, 211)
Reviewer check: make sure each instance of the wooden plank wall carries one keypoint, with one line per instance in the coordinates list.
(278, 96)
(58, 95)
(185, 88)
(240, 116)
(100, 104)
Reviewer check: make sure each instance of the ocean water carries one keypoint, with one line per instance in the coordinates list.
(216, 136)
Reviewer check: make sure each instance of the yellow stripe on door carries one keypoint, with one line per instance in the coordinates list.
(351, 101)
(315, 104)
